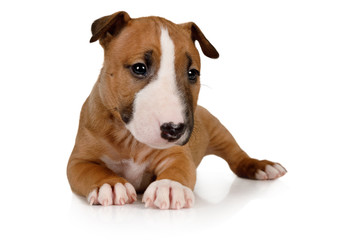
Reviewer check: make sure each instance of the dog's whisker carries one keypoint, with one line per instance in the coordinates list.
(205, 85)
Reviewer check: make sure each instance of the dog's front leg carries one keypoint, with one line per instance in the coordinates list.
(175, 180)
(98, 183)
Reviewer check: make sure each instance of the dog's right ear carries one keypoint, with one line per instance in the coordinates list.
(105, 28)
(196, 34)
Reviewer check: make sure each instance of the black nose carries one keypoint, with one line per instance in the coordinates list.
(171, 131)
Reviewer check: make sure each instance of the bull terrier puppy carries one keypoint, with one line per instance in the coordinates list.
(141, 130)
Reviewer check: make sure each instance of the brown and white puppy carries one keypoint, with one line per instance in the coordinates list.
(140, 129)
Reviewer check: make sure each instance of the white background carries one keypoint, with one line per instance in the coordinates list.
(286, 85)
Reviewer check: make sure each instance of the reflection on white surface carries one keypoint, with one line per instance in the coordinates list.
(295, 205)
(216, 201)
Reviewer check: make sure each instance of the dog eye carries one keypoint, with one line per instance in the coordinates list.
(139, 69)
(193, 75)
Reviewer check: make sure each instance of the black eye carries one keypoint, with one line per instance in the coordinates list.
(139, 69)
(193, 75)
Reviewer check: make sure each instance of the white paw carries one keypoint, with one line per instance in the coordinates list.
(271, 172)
(117, 195)
(165, 194)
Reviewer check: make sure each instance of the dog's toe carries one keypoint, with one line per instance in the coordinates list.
(261, 175)
(92, 197)
(106, 195)
(280, 168)
(270, 172)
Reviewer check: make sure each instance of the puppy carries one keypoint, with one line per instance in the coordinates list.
(141, 130)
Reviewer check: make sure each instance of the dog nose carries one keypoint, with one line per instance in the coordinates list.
(171, 131)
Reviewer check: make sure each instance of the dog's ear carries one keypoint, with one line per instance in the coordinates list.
(196, 34)
(109, 26)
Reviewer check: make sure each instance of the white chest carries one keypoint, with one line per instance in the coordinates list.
(128, 169)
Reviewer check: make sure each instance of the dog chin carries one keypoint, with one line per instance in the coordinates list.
(158, 143)
(161, 146)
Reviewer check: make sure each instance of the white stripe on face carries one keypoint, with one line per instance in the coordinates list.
(159, 102)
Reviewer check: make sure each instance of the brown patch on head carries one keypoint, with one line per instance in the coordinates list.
(137, 43)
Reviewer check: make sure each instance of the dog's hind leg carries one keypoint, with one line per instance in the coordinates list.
(223, 144)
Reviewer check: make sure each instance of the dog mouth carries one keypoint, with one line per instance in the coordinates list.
(161, 137)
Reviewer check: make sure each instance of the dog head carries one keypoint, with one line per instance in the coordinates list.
(150, 78)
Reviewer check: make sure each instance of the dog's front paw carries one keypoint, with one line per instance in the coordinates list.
(107, 195)
(165, 194)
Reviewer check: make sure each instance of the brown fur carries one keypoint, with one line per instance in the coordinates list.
(102, 130)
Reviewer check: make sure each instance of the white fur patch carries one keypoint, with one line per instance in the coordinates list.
(165, 194)
(159, 102)
(127, 169)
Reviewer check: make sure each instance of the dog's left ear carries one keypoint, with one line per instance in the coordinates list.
(196, 34)
(107, 27)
